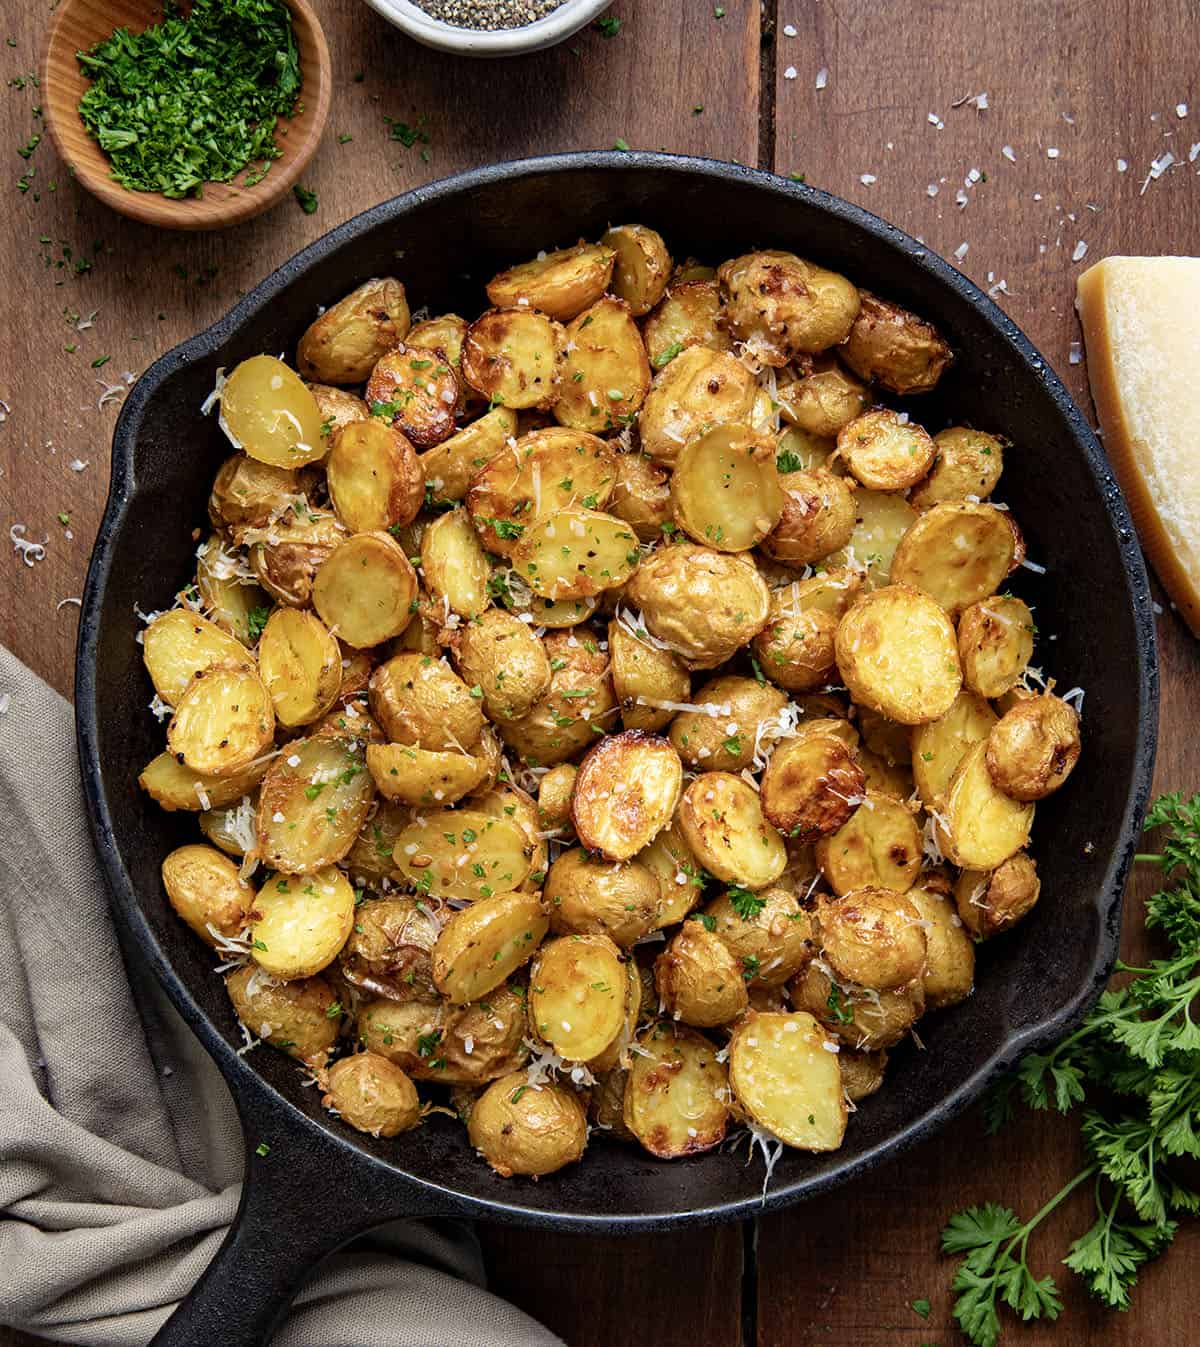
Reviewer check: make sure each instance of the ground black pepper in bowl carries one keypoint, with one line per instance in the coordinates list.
(488, 15)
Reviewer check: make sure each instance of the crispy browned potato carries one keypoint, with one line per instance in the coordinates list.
(893, 347)
(586, 895)
(343, 345)
(446, 332)
(949, 975)
(823, 400)
(247, 494)
(1034, 748)
(578, 708)
(687, 315)
(705, 605)
(577, 994)
(521, 1128)
(301, 1018)
(768, 933)
(642, 496)
(338, 407)
(372, 1094)
(862, 1072)
(811, 786)
(677, 1093)
(898, 654)
(512, 356)
(784, 1074)
(555, 788)
(561, 284)
(643, 678)
(206, 891)
(480, 1041)
(885, 450)
(388, 952)
(365, 589)
(939, 746)
(421, 701)
(576, 554)
(643, 266)
(301, 665)
(482, 944)
(312, 803)
(375, 478)
(625, 793)
(725, 489)
(605, 348)
(700, 387)
(969, 463)
(818, 517)
(781, 306)
(415, 390)
(959, 552)
(293, 550)
(721, 820)
(699, 979)
(448, 467)
(864, 1019)
(990, 901)
(223, 721)
(995, 643)
(179, 644)
(872, 937)
(738, 718)
(878, 847)
(499, 654)
(977, 826)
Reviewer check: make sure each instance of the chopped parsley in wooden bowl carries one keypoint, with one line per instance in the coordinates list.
(187, 119)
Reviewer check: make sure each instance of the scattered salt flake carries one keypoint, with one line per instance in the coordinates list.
(28, 549)
(1080, 251)
(999, 288)
(1194, 152)
(867, 179)
(5, 411)
(822, 77)
(790, 73)
(789, 30)
(934, 120)
(960, 199)
(1009, 153)
(1122, 165)
(932, 189)
(1075, 355)
(961, 251)
(1157, 168)
(1052, 153)
(1181, 110)
(78, 464)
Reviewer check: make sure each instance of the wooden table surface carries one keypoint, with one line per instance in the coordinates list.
(1072, 90)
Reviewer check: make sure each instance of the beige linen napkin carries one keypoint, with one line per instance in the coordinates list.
(120, 1152)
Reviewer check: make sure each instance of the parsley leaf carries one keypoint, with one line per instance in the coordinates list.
(746, 904)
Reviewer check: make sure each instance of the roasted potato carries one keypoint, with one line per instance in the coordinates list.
(949, 975)
(700, 387)
(267, 411)
(293, 550)
(796, 649)
(347, 340)
(677, 1092)
(499, 654)
(781, 306)
(300, 1018)
(641, 496)
(873, 937)
(995, 643)
(577, 994)
(699, 979)
(959, 553)
(512, 357)
(812, 785)
(643, 266)
(721, 820)
(648, 682)
(174, 785)
(862, 1072)
(232, 602)
(301, 665)
(940, 745)
(405, 1032)
(206, 891)
(561, 284)
(784, 1072)
(977, 826)
(604, 348)
(312, 803)
(481, 1041)
(968, 464)
(422, 776)
(338, 408)
(1033, 748)
(769, 934)
(300, 922)
(824, 399)
(375, 478)
(372, 1095)
(463, 854)
(247, 494)
(687, 315)
(448, 467)
(586, 895)
(388, 952)
(415, 390)
(884, 450)
(990, 901)
(453, 565)
(625, 793)
(735, 716)
(881, 519)
(579, 707)
(365, 590)
(421, 701)
(817, 519)
(898, 654)
(179, 644)
(555, 788)
(679, 874)
(704, 605)
(521, 1128)
(725, 489)
(862, 1018)
(480, 946)
(878, 847)
(223, 722)
(889, 345)
(230, 828)
(576, 554)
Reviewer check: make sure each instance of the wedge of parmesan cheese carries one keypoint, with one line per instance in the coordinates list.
(1141, 326)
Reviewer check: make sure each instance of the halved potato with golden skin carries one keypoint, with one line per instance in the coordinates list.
(878, 847)
(642, 496)
(229, 601)
(520, 1128)
(785, 1073)
(576, 711)
(206, 891)
(642, 674)
(811, 786)
(605, 347)
(939, 746)
(643, 266)
(782, 306)
(699, 979)
(679, 874)
(990, 901)
(415, 390)
(338, 407)
(705, 605)
(482, 944)
(247, 494)
(995, 643)
(873, 937)
(562, 283)
(446, 333)
(977, 826)
(511, 357)
(625, 793)
(577, 995)
(959, 552)
(698, 388)
(555, 788)
(301, 665)
(179, 644)
(405, 1032)
(500, 655)
(312, 803)
(724, 737)
(677, 1092)
(365, 589)
(343, 345)
(721, 820)
(885, 450)
(586, 895)
(725, 489)
(223, 721)
(898, 654)
(300, 922)
(300, 1018)
(1034, 747)
(576, 554)
(295, 547)
(173, 785)
(768, 933)
(375, 478)
(463, 853)
(891, 346)
(687, 315)
(266, 411)
(454, 566)
(421, 701)
(817, 518)
(545, 471)
(864, 1019)
(822, 401)
(969, 463)
(618, 1050)
(422, 776)
(448, 467)
(949, 975)
(881, 519)
(372, 1094)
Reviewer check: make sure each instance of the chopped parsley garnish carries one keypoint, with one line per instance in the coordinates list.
(664, 358)
(256, 620)
(308, 200)
(608, 27)
(788, 461)
(746, 904)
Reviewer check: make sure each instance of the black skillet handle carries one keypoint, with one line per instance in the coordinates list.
(300, 1202)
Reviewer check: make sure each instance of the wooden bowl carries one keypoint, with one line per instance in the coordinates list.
(80, 24)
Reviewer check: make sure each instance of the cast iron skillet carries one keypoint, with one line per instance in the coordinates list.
(320, 1183)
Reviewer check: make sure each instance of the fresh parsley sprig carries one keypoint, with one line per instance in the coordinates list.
(1134, 1068)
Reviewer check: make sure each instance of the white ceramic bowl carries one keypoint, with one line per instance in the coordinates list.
(556, 26)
